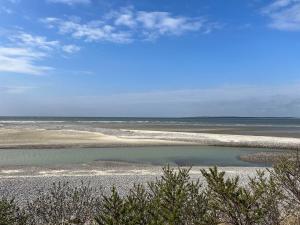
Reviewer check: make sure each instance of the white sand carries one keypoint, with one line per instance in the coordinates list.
(216, 139)
(116, 171)
(42, 138)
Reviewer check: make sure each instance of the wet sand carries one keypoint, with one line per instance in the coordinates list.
(15, 138)
(33, 137)
(270, 157)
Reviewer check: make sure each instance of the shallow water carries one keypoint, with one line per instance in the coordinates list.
(182, 156)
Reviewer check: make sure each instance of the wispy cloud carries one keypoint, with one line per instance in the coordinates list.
(23, 53)
(22, 60)
(15, 89)
(71, 48)
(284, 14)
(42, 43)
(5, 10)
(92, 31)
(70, 2)
(156, 24)
(127, 25)
(29, 40)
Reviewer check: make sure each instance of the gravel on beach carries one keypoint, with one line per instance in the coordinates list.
(25, 188)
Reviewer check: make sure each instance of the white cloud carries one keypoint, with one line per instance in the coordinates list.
(70, 2)
(276, 5)
(153, 24)
(124, 18)
(163, 23)
(41, 43)
(70, 48)
(127, 25)
(92, 31)
(21, 60)
(284, 14)
(25, 39)
(23, 52)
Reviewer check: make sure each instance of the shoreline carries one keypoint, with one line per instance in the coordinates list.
(26, 188)
(101, 168)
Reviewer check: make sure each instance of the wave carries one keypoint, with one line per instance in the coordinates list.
(30, 121)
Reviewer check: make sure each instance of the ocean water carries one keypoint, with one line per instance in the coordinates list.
(202, 155)
(266, 126)
(213, 121)
(181, 156)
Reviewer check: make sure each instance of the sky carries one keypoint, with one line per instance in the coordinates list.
(156, 58)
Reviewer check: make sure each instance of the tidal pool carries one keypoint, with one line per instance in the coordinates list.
(181, 156)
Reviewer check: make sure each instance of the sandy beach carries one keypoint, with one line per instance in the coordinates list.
(42, 138)
(32, 137)
(24, 183)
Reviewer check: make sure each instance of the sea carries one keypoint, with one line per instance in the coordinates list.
(269, 126)
(189, 155)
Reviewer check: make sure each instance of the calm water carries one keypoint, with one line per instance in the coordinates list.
(238, 121)
(285, 127)
(191, 155)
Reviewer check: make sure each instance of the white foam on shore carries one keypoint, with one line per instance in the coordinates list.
(120, 172)
(29, 121)
(10, 171)
(86, 173)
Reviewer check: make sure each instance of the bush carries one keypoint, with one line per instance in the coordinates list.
(112, 210)
(63, 204)
(137, 205)
(10, 214)
(238, 205)
(174, 199)
(286, 174)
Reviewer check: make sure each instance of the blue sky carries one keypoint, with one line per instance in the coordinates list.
(150, 58)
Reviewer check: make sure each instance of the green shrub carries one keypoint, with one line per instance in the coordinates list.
(112, 210)
(238, 205)
(137, 205)
(268, 197)
(286, 173)
(175, 199)
(10, 214)
(130, 210)
(172, 200)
